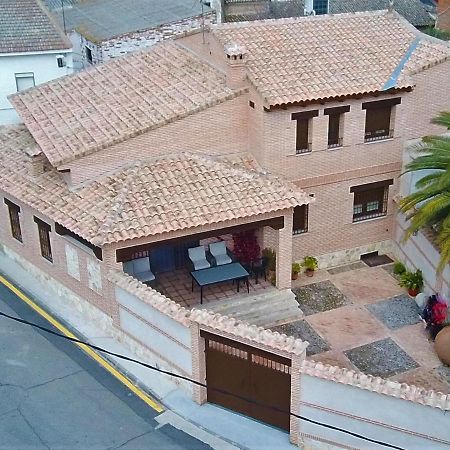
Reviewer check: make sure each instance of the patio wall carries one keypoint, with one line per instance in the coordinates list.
(400, 415)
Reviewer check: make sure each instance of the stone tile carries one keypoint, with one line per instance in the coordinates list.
(382, 358)
(414, 339)
(347, 327)
(367, 285)
(346, 268)
(303, 330)
(333, 358)
(319, 297)
(425, 378)
(396, 312)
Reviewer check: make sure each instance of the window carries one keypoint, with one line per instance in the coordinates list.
(88, 52)
(24, 81)
(379, 120)
(370, 200)
(335, 120)
(251, 104)
(320, 6)
(303, 142)
(14, 219)
(44, 239)
(300, 222)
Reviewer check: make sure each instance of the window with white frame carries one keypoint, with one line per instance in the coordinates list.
(24, 81)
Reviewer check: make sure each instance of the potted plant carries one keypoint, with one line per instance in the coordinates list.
(271, 261)
(296, 267)
(399, 268)
(310, 264)
(412, 281)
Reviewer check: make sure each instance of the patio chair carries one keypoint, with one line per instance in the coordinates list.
(198, 257)
(140, 269)
(220, 253)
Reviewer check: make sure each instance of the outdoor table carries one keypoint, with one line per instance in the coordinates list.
(218, 274)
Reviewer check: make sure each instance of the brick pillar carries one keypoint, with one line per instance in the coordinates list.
(295, 426)
(284, 253)
(111, 307)
(199, 394)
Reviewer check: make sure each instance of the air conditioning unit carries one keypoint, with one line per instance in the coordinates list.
(61, 60)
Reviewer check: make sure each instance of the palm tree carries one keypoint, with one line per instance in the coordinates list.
(430, 205)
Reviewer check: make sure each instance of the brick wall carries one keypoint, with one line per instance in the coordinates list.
(443, 21)
(68, 257)
(221, 129)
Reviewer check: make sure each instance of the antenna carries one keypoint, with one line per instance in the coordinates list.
(63, 16)
(391, 5)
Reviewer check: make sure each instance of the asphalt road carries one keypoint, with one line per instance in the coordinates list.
(54, 396)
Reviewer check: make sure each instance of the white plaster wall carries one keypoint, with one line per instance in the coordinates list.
(381, 417)
(43, 65)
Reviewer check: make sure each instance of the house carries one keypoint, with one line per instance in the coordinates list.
(443, 12)
(242, 10)
(33, 50)
(104, 29)
(260, 126)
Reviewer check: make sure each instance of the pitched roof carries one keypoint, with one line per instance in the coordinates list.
(323, 57)
(101, 20)
(25, 26)
(109, 103)
(147, 198)
(413, 11)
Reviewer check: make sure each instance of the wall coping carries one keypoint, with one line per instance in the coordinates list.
(214, 322)
(360, 380)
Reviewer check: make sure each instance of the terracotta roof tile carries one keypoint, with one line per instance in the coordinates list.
(79, 114)
(26, 26)
(147, 198)
(311, 58)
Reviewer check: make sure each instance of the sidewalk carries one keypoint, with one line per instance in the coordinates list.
(220, 428)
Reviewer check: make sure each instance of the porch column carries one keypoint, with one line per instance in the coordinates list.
(284, 253)
(198, 364)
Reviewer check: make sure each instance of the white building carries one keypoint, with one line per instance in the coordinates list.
(33, 50)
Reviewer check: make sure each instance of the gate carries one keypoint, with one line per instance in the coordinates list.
(258, 380)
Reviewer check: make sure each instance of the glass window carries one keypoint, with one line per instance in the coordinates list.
(14, 220)
(44, 239)
(300, 222)
(320, 6)
(24, 81)
(370, 200)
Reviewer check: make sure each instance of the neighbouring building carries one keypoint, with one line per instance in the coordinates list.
(242, 10)
(443, 12)
(33, 50)
(263, 127)
(103, 29)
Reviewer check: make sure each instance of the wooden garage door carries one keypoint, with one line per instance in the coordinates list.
(258, 381)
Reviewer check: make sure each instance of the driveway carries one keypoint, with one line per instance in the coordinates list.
(53, 396)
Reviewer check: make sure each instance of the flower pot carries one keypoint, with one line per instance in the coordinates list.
(309, 272)
(294, 276)
(413, 292)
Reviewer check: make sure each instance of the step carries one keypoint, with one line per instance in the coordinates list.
(275, 319)
(279, 305)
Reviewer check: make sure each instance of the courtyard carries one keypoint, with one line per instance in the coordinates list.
(357, 317)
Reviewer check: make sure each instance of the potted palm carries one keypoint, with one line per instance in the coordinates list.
(412, 281)
(270, 258)
(296, 267)
(310, 264)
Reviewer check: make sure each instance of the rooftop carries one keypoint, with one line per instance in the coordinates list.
(414, 11)
(100, 20)
(112, 102)
(25, 26)
(147, 198)
(323, 57)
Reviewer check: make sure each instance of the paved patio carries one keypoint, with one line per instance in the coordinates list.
(177, 285)
(359, 318)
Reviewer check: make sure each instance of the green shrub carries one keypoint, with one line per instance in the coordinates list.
(399, 268)
(296, 267)
(412, 280)
(310, 263)
(271, 258)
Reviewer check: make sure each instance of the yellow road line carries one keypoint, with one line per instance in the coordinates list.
(103, 362)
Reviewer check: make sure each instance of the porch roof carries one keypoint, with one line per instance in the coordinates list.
(147, 198)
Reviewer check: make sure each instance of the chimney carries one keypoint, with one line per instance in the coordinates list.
(391, 6)
(36, 161)
(237, 72)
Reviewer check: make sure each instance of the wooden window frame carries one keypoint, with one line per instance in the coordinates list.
(303, 142)
(14, 220)
(45, 243)
(300, 219)
(378, 108)
(366, 196)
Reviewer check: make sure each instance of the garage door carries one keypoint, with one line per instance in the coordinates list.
(259, 382)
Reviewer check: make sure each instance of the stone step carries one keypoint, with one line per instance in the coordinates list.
(278, 318)
(253, 311)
